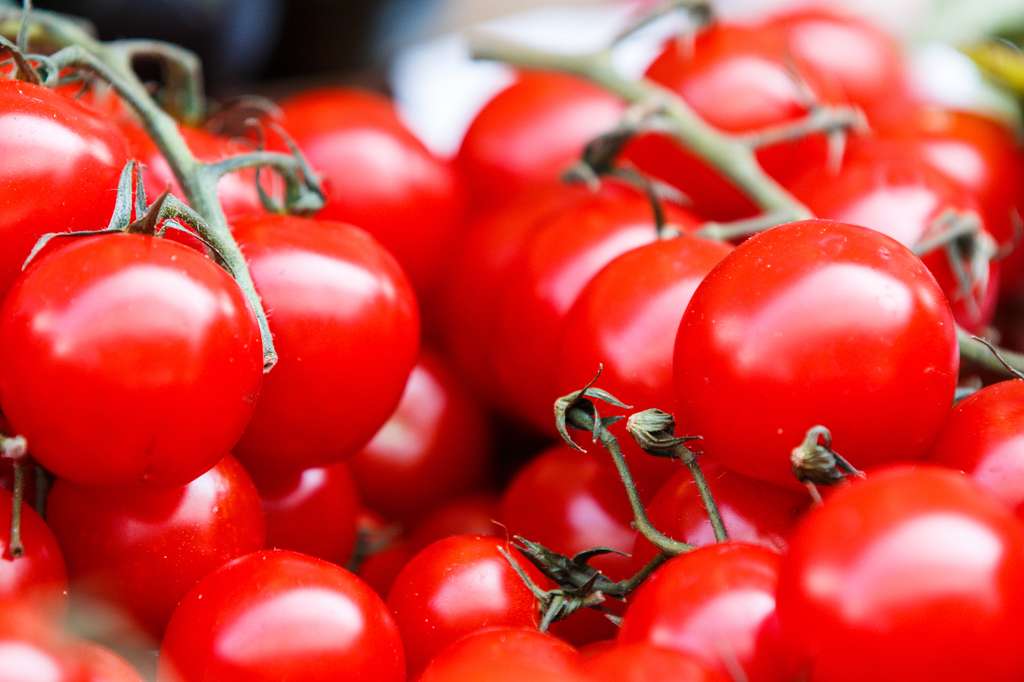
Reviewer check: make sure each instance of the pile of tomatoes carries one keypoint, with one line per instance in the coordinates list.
(350, 515)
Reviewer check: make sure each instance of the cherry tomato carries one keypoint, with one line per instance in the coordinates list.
(346, 328)
(100, 664)
(717, 604)
(531, 132)
(984, 437)
(39, 574)
(68, 163)
(506, 655)
(815, 322)
(276, 615)
(738, 79)
(561, 255)
(437, 435)
(141, 549)
(312, 511)
(904, 198)
(127, 359)
(378, 176)
(31, 650)
(917, 571)
(645, 663)
(454, 587)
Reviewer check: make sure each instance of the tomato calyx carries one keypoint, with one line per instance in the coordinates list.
(816, 463)
(969, 249)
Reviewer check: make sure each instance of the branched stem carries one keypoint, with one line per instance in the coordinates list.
(988, 356)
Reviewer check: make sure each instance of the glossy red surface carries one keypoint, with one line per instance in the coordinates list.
(39, 575)
(506, 655)
(646, 663)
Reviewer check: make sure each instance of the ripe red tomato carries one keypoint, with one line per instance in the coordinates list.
(31, 650)
(379, 176)
(38, 575)
(646, 663)
(506, 655)
(128, 359)
(902, 197)
(556, 262)
(142, 549)
(438, 436)
(717, 604)
(917, 571)
(984, 437)
(455, 587)
(346, 328)
(738, 79)
(312, 511)
(531, 132)
(100, 664)
(68, 163)
(276, 615)
(815, 322)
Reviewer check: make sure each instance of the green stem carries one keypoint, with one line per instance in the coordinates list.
(710, 506)
(623, 588)
(744, 227)
(182, 70)
(988, 356)
(15, 546)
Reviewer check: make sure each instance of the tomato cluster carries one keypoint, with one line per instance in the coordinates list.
(391, 502)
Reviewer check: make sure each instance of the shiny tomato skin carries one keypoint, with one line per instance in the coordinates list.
(506, 655)
(151, 358)
(32, 649)
(39, 575)
(556, 262)
(312, 511)
(531, 132)
(377, 175)
(646, 663)
(346, 327)
(815, 322)
(452, 588)
(278, 615)
(438, 434)
(917, 570)
(142, 549)
(717, 604)
(984, 438)
(69, 160)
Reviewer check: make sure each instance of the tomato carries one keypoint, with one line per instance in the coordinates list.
(39, 574)
(31, 650)
(902, 197)
(276, 615)
(984, 437)
(379, 176)
(752, 512)
(506, 655)
(68, 163)
(312, 511)
(128, 359)
(737, 79)
(438, 435)
(452, 588)
(645, 663)
(716, 604)
(100, 664)
(531, 132)
(141, 549)
(561, 255)
(346, 328)
(815, 322)
(917, 571)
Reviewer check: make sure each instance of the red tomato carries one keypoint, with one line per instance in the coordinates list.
(506, 655)
(903, 198)
(469, 515)
(452, 588)
(815, 322)
(984, 437)
(377, 175)
(312, 511)
(128, 359)
(142, 549)
(31, 650)
(531, 132)
(917, 571)
(738, 79)
(346, 328)
(560, 257)
(717, 604)
(100, 664)
(438, 435)
(39, 574)
(753, 512)
(277, 615)
(645, 663)
(68, 163)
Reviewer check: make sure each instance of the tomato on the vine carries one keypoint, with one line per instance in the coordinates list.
(642, 662)
(506, 655)
(37, 576)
